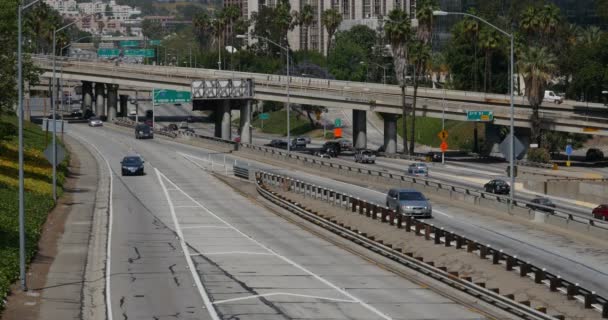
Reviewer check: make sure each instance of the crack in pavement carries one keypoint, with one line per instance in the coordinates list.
(172, 246)
(131, 260)
(171, 268)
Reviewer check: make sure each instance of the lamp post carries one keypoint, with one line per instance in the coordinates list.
(243, 36)
(512, 130)
(21, 115)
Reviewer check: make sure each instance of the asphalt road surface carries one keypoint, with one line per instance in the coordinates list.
(184, 245)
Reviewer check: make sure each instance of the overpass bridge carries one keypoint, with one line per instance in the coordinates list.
(570, 116)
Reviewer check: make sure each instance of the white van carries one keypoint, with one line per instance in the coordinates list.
(552, 97)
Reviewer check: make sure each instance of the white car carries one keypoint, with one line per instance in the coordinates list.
(552, 97)
(132, 112)
(95, 122)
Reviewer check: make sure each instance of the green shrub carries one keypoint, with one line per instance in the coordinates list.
(7, 130)
(540, 155)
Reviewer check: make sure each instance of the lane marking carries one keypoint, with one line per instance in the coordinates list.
(294, 264)
(231, 253)
(283, 294)
(443, 213)
(182, 242)
(205, 226)
(108, 291)
(181, 207)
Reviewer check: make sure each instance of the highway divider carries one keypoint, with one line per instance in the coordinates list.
(440, 236)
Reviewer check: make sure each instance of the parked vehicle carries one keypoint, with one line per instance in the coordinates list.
(542, 204)
(553, 97)
(601, 212)
(497, 186)
(365, 156)
(143, 131)
(95, 122)
(132, 165)
(418, 169)
(332, 148)
(409, 202)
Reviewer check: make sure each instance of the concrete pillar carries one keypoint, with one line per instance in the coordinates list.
(87, 96)
(100, 100)
(112, 101)
(359, 129)
(245, 129)
(222, 120)
(124, 100)
(390, 133)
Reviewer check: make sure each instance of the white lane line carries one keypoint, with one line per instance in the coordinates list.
(231, 253)
(108, 292)
(442, 213)
(210, 226)
(182, 242)
(283, 294)
(294, 264)
(181, 207)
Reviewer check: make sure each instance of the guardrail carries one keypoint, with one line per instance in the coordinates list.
(440, 236)
(241, 172)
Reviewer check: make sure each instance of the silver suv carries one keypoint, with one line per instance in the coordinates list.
(409, 202)
(418, 169)
(366, 156)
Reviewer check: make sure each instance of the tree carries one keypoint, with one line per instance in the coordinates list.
(284, 20)
(201, 24)
(419, 58)
(305, 20)
(345, 64)
(331, 19)
(471, 30)
(489, 39)
(152, 29)
(108, 11)
(536, 64)
(231, 13)
(399, 34)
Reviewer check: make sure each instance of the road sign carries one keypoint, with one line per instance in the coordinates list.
(129, 43)
(443, 146)
(505, 149)
(146, 53)
(171, 96)
(338, 123)
(154, 42)
(264, 116)
(484, 116)
(48, 154)
(569, 149)
(108, 52)
(337, 133)
(443, 135)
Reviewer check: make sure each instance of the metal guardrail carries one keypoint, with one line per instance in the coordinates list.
(346, 166)
(241, 172)
(440, 236)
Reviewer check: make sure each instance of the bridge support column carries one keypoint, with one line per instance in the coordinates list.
(390, 133)
(100, 100)
(222, 120)
(112, 101)
(359, 129)
(124, 100)
(245, 129)
(87, 96)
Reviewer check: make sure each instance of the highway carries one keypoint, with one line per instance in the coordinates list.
(184, 245)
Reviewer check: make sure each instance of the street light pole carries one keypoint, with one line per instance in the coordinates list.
(512, 111)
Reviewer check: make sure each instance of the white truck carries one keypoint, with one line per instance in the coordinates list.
(552, 97)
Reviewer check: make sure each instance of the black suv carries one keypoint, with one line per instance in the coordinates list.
(143, 131)
(132, 165)
(497, 187)
(332, 148)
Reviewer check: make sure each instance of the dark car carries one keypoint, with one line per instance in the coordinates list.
(434, 156)
(542, 204)
(172, 127)
(190, 119)
(332, 148)
(594, 154)
(277, 143)
(601, 212)
(57, 116)
(497, 187)
(143, 131)
(88, 113)
(77, 113)
(132, 165)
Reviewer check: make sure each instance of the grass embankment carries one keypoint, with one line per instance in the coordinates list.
(460, 133)
(38, 195)
(276, 123)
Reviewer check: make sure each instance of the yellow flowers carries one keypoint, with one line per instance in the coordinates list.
(38, 171)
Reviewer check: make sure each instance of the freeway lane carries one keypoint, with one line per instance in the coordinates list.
(251, 264)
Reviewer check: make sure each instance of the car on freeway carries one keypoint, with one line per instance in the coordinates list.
(323, 155)
(278, 143)
(132, 165)
(299, 142)
(172, 127)
(190, 119)
(76, 113)
(306, 138)
(409, 202)
(143, 131)
(332, 148)
(418, 169)
(365, 156)
(434, 156)
(95, 122)
(497, 186)
(542, 204)
(183, 125)
(345, 144)
(553, 97)
(601, 212)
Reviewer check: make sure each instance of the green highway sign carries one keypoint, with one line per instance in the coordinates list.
(107, 52)
(484, 116)
(171, 96)
(264, 116)
(338, 123)
(154, 42)
(129, 43)
(146, 53)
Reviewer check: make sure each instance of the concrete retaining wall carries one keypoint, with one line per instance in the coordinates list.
(587, 191)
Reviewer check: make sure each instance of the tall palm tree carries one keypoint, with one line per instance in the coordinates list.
(591, 35)
(530, 21)
(549, 19)
(202, 25)
(490, 40)
(424, 14)
(331, 19)
(231, 14)
(537, 65)
(398, 32)
(471, 29)
(218, 25)
(419, 59)
(305, 20)
(284, 20)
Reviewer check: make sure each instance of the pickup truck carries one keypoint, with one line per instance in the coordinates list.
(365, 156)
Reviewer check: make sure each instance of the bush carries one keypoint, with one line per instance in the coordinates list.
(7, 130)
(540, 155)
(594, 154)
